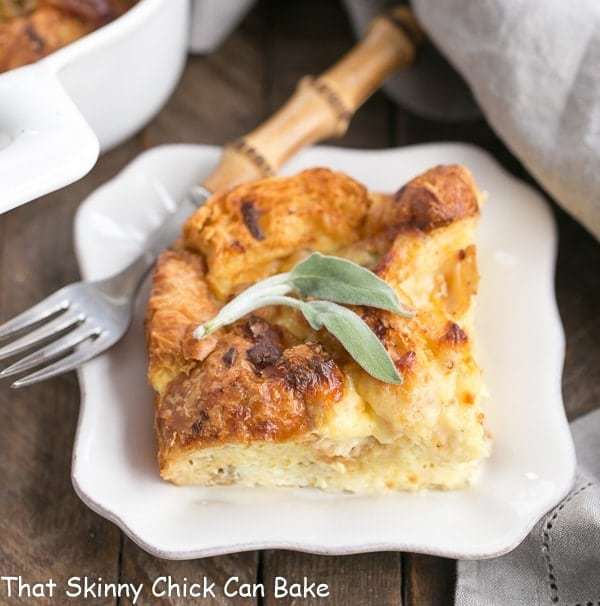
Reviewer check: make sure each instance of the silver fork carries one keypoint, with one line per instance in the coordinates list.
(88, 317)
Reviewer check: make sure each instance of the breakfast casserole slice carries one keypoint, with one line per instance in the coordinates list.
(268, 401)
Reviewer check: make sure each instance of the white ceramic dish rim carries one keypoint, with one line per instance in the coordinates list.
(119, 27)
(345, 546)
(57, 117)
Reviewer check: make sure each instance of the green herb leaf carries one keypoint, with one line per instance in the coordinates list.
(245, 303)
(349, 328)
(356, 337)
(337, 281)
(342, 281)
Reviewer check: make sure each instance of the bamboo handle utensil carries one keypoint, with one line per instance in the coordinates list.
(321, 108)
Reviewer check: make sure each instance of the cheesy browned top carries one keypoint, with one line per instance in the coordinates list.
(270, 377)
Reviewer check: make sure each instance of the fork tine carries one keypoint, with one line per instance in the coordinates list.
(53, 327)
(42, 310)
(53, 350)
(83, 353)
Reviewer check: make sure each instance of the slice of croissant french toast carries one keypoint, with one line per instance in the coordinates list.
(268, 401)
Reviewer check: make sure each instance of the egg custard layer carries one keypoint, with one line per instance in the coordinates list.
(268, 401)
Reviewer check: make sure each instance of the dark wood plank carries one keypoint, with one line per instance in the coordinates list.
(578, 293)
(306, 38)
(428, 580)
(139, 567)
(46, 530)
(220, 97)
(367, 579)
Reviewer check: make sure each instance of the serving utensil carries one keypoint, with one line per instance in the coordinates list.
(86, 318)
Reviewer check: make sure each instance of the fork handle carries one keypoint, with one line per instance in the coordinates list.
(322, 107)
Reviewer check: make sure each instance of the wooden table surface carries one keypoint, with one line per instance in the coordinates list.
(45, 530)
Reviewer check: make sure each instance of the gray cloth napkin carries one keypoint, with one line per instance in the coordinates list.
(559, 562)
(533, 67)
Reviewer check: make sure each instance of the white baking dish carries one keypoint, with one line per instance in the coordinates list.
(57, 114)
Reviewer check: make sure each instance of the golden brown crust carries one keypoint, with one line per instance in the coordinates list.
(245, 233)
(266, 378)
(180, 300)
(51, 25)
(438, 197)
(9, 9)
(250, 387)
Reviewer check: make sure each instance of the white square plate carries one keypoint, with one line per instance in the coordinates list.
(521, 350)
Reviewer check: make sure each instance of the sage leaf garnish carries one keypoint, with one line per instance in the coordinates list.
(334, 280)
(348, 327)
(247, 302)
(342, 281)
(356, 337)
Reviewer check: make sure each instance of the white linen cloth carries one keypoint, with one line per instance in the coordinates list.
(534, 68)
(532, 65)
